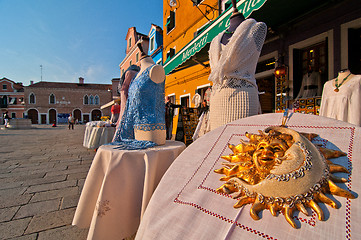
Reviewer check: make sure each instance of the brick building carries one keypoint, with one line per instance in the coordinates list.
(49, 102)
(11, 98)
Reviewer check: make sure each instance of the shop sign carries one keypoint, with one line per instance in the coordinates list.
(220, 24)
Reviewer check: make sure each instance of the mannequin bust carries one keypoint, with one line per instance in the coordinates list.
(157, 75)
(234, 21)
(343, 76)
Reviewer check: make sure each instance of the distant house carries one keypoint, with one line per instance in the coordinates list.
(155, 48)
(11, 98)
(50, 102)
(132, 52)
(151, 44)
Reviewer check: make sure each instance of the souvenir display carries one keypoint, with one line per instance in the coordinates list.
(187, 124)
(280, 169)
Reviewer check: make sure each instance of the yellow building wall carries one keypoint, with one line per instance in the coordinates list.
(188, 19)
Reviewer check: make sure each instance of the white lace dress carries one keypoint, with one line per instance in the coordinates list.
(344, 105)
(233, 66)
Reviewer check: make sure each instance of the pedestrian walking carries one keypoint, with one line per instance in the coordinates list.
(71, 121)
(6, 118)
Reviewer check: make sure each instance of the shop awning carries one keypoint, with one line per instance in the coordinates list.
(213, 29)
(275, 13)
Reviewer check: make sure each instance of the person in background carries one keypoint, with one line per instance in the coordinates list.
(169, 114)
(115, 110)
(6, 118)
(71, 121)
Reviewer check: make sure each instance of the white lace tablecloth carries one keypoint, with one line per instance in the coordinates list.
(95, 136)
(186, 205)
(118, 188)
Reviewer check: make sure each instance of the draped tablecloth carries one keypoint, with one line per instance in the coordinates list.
(95, 136)
(118, 188)
(186, 205)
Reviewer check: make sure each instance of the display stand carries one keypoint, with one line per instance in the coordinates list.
(307, 105)
(186, 204)
(187, 123)
(118, 188)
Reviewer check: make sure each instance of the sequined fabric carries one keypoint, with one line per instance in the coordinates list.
(145, 110)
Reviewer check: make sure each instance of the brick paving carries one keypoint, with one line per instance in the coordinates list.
(42, 172)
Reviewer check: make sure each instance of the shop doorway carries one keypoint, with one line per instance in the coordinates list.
(77, 115)
(266, 86)
(52, 116)
(85, 118)
(42, 118)
(33, 115)
(314, 57)
(184, 101)
(96, 114)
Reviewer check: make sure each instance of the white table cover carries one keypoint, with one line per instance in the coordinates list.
(95, 136)
(118, 188)
(186, 205)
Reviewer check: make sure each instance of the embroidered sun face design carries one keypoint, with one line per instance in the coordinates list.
(281, 170)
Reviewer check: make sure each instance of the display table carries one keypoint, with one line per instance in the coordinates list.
(19, 123)
(95, 136)
(118, 188)
(186, 204)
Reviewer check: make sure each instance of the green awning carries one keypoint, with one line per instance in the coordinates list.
(207, 35)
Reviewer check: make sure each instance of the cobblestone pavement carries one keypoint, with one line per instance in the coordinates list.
(42, 172)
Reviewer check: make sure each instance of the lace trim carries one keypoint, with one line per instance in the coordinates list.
(132, 144)
(234, 83)
(150, 127)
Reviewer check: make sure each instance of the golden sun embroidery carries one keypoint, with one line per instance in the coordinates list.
(281, 170)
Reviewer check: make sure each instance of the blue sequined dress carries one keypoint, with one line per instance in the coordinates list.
(145, 110)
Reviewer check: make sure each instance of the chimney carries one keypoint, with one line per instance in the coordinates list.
(31, 82)
(81, 80)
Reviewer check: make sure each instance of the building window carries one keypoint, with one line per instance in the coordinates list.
(32, 98)
(5, 87)
(86, 100)
(137, 57)
(354, 50)
(196, 2)
(130, 62)
(12, 101)
(268, 64)
(13, 115)
(129, 42)
(91, 100)
(170, 24)
(96, 100)
(225, 5)
(152, 44)
(52, 99)
(170, 53)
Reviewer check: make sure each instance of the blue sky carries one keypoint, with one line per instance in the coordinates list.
(69, 38)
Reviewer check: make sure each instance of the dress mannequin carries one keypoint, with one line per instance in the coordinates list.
(233, 57)
(341, 98)
(143, 122)
(157, 75)
(234, 21)
(123, 87)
